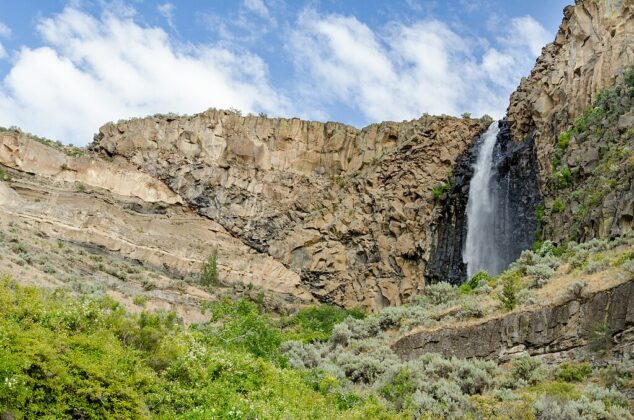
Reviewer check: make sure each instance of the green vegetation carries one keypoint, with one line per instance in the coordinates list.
(510, 288)
(539, 213)
(601, 162)
(600, 337)
(2, 174)
(573, 372)
(478, 279)
(439, 190)
(63, 356)
(558, 205)
(209, 275)
(316, 322)
(563, 178)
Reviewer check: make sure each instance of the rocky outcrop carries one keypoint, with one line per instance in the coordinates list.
(111, 205)
(592, 49)
(348, 210)
(548, 330)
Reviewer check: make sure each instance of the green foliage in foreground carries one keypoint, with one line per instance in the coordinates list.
(62, 357)
(316, 323)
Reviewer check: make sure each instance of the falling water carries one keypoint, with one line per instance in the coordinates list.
(481, 248)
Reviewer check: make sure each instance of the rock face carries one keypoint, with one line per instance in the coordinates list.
(348, 210)
(594, 46)
(113, 206)
(547, 331)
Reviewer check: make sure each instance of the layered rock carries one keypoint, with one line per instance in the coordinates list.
(592, 49)
(111, 205)
(561, 329)
(348, 210)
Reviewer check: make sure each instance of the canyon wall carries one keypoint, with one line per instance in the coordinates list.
(349, 211)
(591, 51)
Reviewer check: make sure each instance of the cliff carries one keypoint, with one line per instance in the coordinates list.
(591, 52)
(347, 210)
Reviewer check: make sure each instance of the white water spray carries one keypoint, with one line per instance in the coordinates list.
(481, 250)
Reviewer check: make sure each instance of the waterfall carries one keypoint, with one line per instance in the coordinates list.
(489, 227)
(482, 250)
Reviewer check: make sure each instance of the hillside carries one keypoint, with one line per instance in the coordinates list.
(221, 265)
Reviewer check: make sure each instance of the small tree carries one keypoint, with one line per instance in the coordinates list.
(209, 275)
(508, 295)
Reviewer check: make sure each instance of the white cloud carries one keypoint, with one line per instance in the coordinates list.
(107, 67)
(526, 31)
(402, 71)
(167, 11)
(3, 53)
(258, 7)
(5, 31)
(110, 67)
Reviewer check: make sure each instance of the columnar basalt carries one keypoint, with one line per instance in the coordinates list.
(347, 210)
(593, 48)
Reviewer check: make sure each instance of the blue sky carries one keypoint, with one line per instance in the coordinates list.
(66, 67)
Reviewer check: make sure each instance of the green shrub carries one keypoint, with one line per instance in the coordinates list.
(209, 275)
(563, 178)
(316, 323)
(439, 293)
(481, 277)
(2, 174)
(439, 190)
(539, 214)
(629, 77)
(240, 325)
(510, 288)
(573, 372)
(527, 370)
(558, 206)
(563, 140)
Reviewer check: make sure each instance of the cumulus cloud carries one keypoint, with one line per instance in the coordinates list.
(402, 71)
(527, 32)
(110, 67)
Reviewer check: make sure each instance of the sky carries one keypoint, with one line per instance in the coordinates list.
(68, 67)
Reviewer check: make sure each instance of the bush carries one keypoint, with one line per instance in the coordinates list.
(576, 288)
(573, 372)
(528, 370)
(563, 178)
(470, 309)
(558, 206)
(541, 273)
(480, 278)
(316, 323)
(209, 275)
(439, 293)
(439, 190)
(510, 287)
